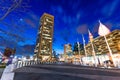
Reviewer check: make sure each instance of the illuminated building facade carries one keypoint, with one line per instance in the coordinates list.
(100, 45)
(43, 49)
(67, 48)
(68, 55)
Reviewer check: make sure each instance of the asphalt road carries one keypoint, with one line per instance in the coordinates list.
(65, 72)
(1, 71)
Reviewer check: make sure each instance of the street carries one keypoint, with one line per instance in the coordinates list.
(1, 71)
(65, 72)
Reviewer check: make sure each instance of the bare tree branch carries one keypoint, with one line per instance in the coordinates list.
(15, 4)
(10, 9)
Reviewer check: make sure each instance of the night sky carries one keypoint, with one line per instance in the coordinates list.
(18, 29)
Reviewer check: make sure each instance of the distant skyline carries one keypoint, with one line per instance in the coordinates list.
(72, 18)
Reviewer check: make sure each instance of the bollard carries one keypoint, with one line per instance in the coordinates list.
(28, 63)
(21, 64)
(24, 63)
(15, 64)
(35, 62)
(32, 63)
(18, 64)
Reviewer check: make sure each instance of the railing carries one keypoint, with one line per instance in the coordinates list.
(19, 64)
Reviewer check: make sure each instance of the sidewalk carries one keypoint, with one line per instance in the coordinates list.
(7, 73)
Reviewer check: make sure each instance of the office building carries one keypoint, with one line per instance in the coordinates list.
(100, 45)
(43, 49)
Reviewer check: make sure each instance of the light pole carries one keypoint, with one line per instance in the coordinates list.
(78, 49)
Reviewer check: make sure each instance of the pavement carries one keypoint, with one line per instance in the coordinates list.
(65, 72)
(8, 74)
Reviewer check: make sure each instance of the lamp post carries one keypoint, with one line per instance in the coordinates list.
(79, 50)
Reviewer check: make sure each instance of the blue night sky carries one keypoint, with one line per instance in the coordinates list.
(72, 18)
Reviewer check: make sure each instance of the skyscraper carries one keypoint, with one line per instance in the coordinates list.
(67, 48)
(43, 49)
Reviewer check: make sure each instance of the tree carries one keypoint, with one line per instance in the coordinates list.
(8, 6)
(8, 52)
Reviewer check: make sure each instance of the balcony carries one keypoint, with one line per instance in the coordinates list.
(47, 38)
(35, 51)
(46, 34)
(39, 32)
(37, 45)
(48, 20)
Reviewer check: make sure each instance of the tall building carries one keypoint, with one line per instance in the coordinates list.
(67, 48)
(43, 49)
(100, 45)
(68, 53)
